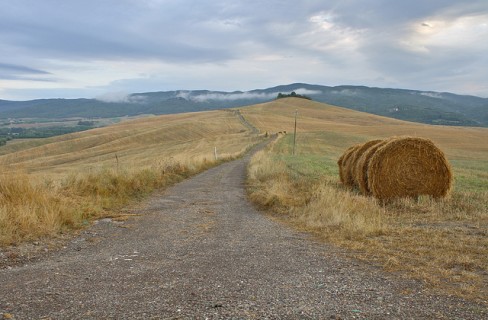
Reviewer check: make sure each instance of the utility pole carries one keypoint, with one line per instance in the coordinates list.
(295, 133)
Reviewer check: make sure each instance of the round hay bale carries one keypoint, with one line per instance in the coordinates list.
(409, 167)
(362, 166)
(347, 166)
(356, 156)
(340, 163)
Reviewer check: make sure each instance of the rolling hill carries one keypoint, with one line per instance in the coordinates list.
(351, 125)
(58, 183)
(411, 105)
(140, 143)
(441, 242)
(143, 140)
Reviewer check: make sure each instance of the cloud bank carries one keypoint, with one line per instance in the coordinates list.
(95, 46)
(120, 96)
(232, 96)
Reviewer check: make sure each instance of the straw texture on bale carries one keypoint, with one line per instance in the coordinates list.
(341, 162)
(362, 166)
(356, 156)
(346, 167)
(409, 167)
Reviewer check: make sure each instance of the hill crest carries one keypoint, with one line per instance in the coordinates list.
(412, 105)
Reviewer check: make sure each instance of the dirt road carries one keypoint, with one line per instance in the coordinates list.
(200, 251)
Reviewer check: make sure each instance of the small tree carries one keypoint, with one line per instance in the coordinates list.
(293, 94)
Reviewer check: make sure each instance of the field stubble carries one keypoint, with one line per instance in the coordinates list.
(443, 243)
(59, 184)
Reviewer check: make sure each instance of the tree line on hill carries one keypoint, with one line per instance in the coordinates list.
(293, 94)
(7, 134)
(412, 105)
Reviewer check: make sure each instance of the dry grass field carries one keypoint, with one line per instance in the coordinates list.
(444, 243)
(50, 185)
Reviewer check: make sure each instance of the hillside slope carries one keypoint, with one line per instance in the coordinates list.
(143, 139)
(412, 105)
(82, 176)
(313, 116)
(440, 241)
(142, 142)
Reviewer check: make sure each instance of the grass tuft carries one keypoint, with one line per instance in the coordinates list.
(442, 242)
(61, 183)
(32, 209)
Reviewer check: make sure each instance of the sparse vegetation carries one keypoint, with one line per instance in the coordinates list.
(3, 140)
(59, 183)
(317, 204)
(443, 243)
(41, 132)
(32, 209)
(48, 186)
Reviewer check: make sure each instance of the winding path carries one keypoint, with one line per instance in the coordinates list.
(200, 251)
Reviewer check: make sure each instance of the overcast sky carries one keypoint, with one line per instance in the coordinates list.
(90, 48)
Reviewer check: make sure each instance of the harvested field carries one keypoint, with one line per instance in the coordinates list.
(51, 185)
(443, 242)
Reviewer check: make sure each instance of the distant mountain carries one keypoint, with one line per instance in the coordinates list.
(412, 105)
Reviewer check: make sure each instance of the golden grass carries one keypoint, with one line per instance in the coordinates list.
(443, 243)
(140, 141)
(317, 205)
(50, 185)
(354, 126)
(27, 210)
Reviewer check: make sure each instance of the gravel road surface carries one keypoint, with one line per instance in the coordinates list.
(199, 250)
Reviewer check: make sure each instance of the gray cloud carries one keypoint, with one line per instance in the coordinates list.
(184, 44)
(111, 30)
(17, 72)
(20, 69)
